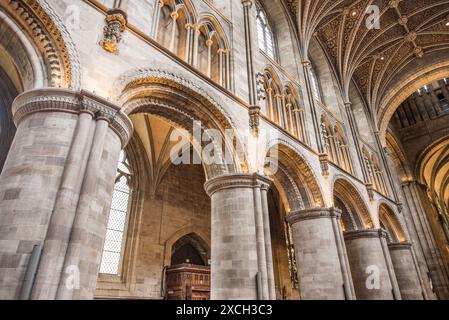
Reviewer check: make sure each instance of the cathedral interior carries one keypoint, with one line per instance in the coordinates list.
(348, 99)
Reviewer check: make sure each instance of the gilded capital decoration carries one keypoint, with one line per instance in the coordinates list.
(116, 20)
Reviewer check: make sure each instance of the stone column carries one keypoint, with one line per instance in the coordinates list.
(315, 122)
(268, 247)
(238, 251)
(406, 271)
(420, 222)
(319, 262)
(41, 189)
(209, 44)
(189, 27)
(372, 272)
(355, 136)
(174, 16)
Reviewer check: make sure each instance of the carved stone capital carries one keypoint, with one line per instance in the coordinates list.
(400, 246)
(116, 20)
(313, 214)
(365, 234)
(76, 102)
(247, 3)
(237, 181)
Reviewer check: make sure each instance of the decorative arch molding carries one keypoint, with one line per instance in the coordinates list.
(180, 102)
(52, 39)
(214, 27)
(188, 230)
(390, 219)
(347, 192)
(124, 85)
(185, 5)
(300, 171)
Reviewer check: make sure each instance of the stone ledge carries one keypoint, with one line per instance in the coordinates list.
(400, 246)
(236, 181)
(63, 100)
(365, 234)
(311, 214)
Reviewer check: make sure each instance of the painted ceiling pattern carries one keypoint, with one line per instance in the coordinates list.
(409, 29)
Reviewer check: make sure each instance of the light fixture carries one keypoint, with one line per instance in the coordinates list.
(382, 58)
(447, 24)
(354, 13)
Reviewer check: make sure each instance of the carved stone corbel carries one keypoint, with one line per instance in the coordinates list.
(254, 120)
(370, 190)
(324, 162)
(116, 21)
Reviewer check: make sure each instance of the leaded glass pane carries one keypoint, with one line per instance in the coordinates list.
(113, 245)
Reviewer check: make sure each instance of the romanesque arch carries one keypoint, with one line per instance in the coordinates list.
(390, 222)
(296, 178)
(355, 212)
(40, 33)
(181, 103)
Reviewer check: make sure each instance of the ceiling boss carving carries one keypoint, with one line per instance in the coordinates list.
(370, 41)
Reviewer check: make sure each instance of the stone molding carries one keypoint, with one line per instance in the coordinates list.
(236, 181)
(134, 79)
(39, 19)
(313, 214)
(400, 246)
(76, 102)
(365, 234)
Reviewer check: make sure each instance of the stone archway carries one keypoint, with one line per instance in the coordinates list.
(294, 178)
(51, 41)
(294, 189)
(181, 103)
(353, 204)
(390, 222)
(365, 245)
